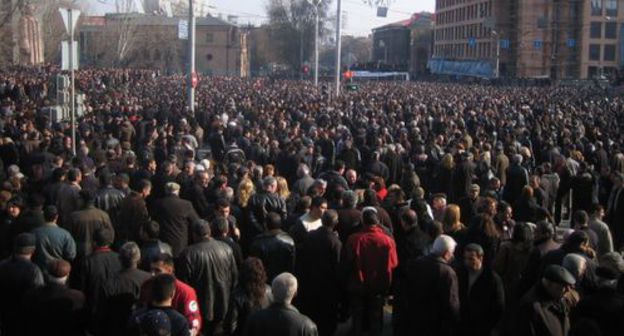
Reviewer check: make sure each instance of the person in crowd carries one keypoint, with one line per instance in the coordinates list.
(319, 274)
(275, 248)
(251, 295)
(291, 322)
(84, 224)
(434, 307)
(209, 266)
(260, 205)
(133, 212)
(175, 216)
(53, 242)
(596, 224)
(152, 247)
(19, 275)
(370, 256)
(481, 294)
(54, 308)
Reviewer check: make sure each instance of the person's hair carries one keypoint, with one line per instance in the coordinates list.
(106, 179)
(545, 229)
(339, 164)
(317, 201)
(595, 208)
(103, 237)
(222, 203)
(476, 248)
(451, 220)
(303, 204)
(87, 196)
(273, 221)
(484, 224)
(129, 254)
(447, 161)
(574, 263)
(72, 174)
(409, 218)
(303, 169)
(269, 170)
(253, 280)
(581, 218)
(527, 192)
(349, 199)
(282, 187)
(244, 192)
(151, 229)
(164, 258)
(163, 287)
(443, 244)
(330, 218)
(370, 217)
(522, 236)
(284, 288)
(370, 198)
(50, 213)
(220, 225)
(142, 184)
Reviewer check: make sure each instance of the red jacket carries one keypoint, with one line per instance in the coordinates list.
(371, 255)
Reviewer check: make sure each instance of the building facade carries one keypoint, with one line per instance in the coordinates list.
(149, 41)
(556, 39)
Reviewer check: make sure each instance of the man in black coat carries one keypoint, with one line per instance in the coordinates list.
(542, 310)
(280, 318)
(260, 205)
(197, 192)
(93, 271)
(175, 216)
(210, 268)
(517, 178)
(481, 294)
(275, 248)
(121, 292)
(18, 275)
(320, 259)
(433, 295)
(55, 309)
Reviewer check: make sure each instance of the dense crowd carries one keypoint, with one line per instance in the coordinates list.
(276, 209)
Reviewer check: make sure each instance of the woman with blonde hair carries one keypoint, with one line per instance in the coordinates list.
(452, 225)
(244, 191)
(282, 187)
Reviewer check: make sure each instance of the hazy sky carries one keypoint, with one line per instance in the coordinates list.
(361, 18)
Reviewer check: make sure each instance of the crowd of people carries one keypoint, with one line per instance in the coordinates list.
(275, 209)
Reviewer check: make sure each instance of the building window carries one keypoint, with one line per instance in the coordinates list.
(209, 37)
(611, 7)
(611, 30)
(592, 72)
(542, 21)
(596, 7)
(594, 52)
(609, 52)
(595, 30)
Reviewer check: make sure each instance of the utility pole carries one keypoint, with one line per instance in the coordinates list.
(191, 79)
(72, 98)
(316, 4)
(338, 45)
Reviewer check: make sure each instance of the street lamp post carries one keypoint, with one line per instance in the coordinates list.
(497, 41)
(191, 59)
(338, 45)
(316, 4)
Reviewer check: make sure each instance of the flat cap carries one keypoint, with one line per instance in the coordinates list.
(558, 274)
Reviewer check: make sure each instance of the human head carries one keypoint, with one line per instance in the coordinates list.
(24, 244)
(370, 216)
(474, 191)
(444, 247)
(544, 230)
(103, 237)
(162, 264)
(172, 188)
(202, 178)
(163, 289)
(349, 199)
(408, 219)
(201, 229)
(220, 226)
(50, 214)
(597, 211)
(15, 206)
(87, 196)
(58, 271)
(273, 221)
(303, 170)
(351, 176)
(130, 255)
(581, 219)
(269, 184)
(330, 219)
(144, 187)
(576, 264)
(451, 219)
(223, 207)
(473, 257)
(556, 281)
(318, 207)
(284, 288)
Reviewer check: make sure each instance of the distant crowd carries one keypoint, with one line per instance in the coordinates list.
(275, 209)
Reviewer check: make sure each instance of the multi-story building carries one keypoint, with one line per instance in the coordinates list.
(557, 39)
(138, 40)
(405, 45)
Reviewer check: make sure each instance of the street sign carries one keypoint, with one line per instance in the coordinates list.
(472, 42)
(65, 55)
(571, 43)
(65, 14)
(183, 29)
(505, 44)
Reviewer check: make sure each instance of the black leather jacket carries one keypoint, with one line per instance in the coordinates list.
(260, 205)
(276, 249)
(209, 267)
